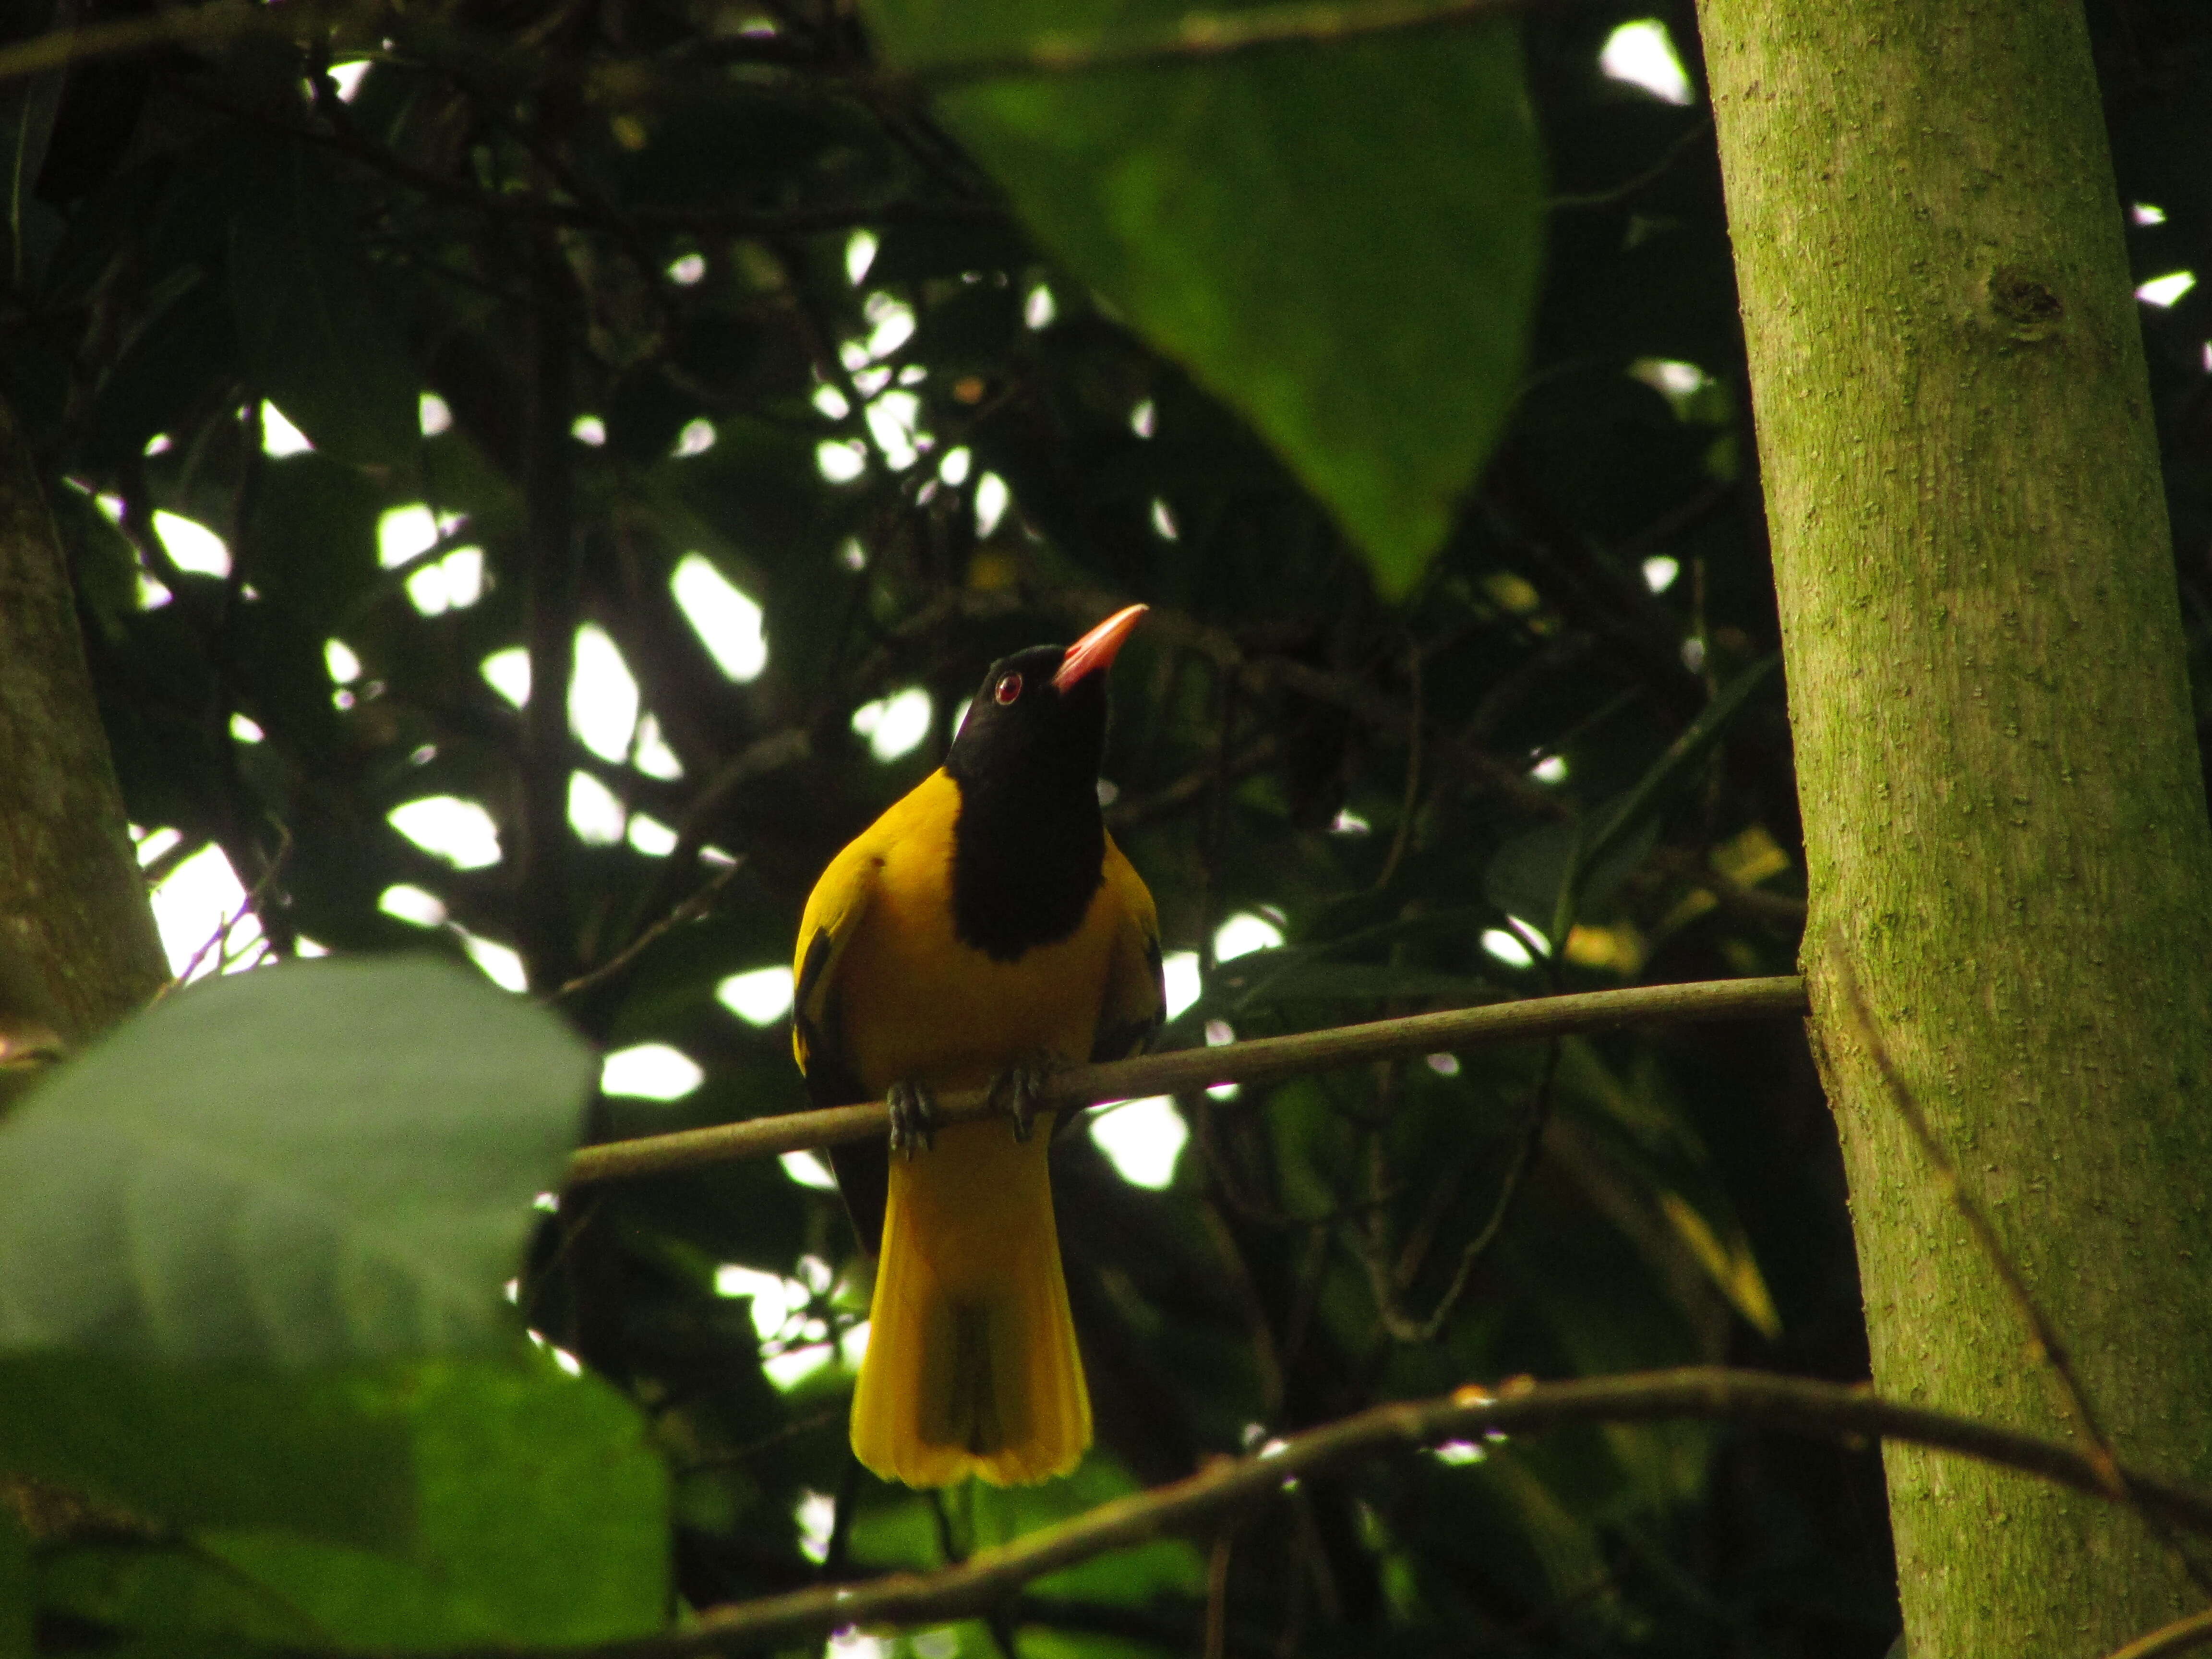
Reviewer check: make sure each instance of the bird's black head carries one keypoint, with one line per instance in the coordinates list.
(1040, 716)
(1030, 844)
(1020, 724)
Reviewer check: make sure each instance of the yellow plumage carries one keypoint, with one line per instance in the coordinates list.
(972, 1366)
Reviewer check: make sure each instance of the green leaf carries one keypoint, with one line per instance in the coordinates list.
(542, 1517)
(1634, 816)
(170, 1601)
(200, 1447)
(303, 1165)
(1339, 239)
(1635, 1125)
(1681, 758)
(1524, 878)
(311, 321)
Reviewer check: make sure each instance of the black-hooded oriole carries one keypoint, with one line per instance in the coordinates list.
(981, 931)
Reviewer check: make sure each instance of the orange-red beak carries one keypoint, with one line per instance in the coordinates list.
(1096, 649)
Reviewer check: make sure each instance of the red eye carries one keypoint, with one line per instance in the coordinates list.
(1006, 689)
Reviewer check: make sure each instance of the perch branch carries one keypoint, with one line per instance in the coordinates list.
(989, 1577)
(1263, 1060)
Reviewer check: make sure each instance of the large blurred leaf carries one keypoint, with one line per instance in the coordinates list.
(541, 1518)
(310, 1164)
(196, 1446)
(1339, 239)
(310, 318)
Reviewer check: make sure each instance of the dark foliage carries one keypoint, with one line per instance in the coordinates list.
(634, 222)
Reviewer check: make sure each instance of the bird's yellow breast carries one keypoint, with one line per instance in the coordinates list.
(919, 1004)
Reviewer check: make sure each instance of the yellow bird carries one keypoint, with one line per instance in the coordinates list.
(982, 931)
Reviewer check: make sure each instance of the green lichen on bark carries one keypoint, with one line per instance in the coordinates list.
(2005, 825)
(77, 944)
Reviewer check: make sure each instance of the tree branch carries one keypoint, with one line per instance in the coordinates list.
(1263, 1060)
(78, 948)
(989, 1577)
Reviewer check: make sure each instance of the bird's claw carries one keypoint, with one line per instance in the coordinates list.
(914, 1118)
(1019, 1091)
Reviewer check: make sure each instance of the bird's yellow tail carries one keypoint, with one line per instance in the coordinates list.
(971, 1366)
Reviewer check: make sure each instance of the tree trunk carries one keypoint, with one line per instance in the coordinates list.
(77, 944)
(2004, 820)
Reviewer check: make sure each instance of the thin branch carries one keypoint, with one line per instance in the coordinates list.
(155, 871)
(988, 1578)
(1635, 184)
(2179, 1637)
(1403, 1326)
(1263, 1060)
(219, 942)
(757, 760)
(697, 905)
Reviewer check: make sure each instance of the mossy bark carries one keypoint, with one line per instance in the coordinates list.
(2005, 822)
(78, 948)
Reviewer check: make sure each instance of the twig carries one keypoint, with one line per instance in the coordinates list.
(1403, 1329)
(2179, 1637)
(718, 1461)
(1629, 187)
(155, 871)
(2044, 1343)
(219, 942)
(989, 1577)
(697, 905)
(756, 760)
(1263, 1060)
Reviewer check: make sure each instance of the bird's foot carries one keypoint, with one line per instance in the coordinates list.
(914, 1118)
(1020, 1090)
